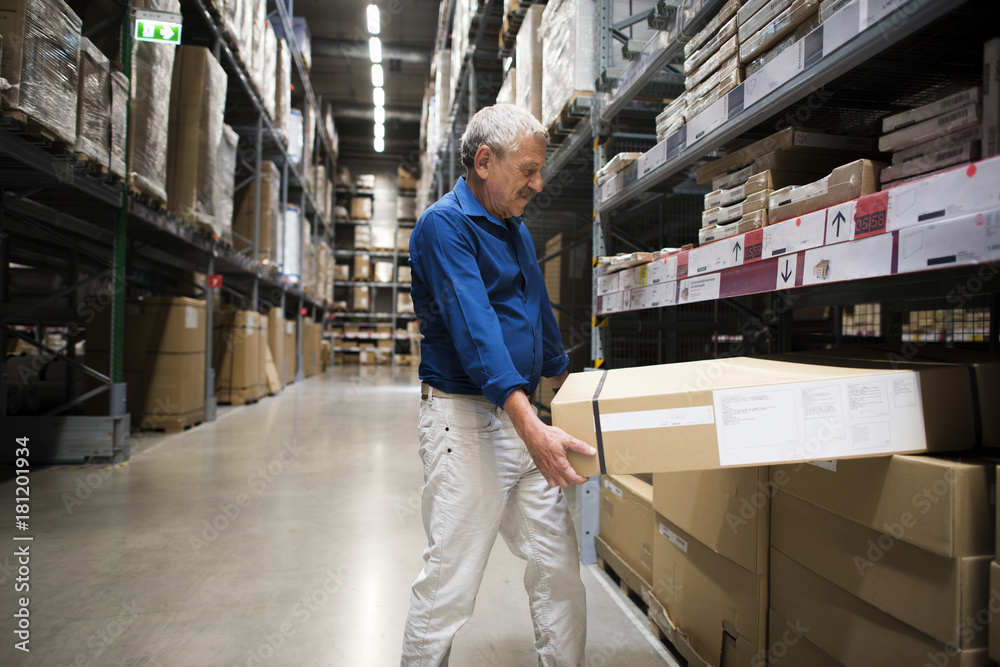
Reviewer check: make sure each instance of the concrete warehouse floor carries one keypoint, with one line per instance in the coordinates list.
(284, 533)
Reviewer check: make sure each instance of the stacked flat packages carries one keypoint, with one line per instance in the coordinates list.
(764, 24)
(941, 134)
(774, 45)
(40, 63)
(673, 116)
(744, 181)
(711, 60)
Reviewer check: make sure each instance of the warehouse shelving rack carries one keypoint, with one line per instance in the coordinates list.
(56, 211)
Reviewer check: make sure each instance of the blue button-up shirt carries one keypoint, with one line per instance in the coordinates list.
(480, 297)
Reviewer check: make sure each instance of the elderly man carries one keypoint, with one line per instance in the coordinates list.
(490, 465)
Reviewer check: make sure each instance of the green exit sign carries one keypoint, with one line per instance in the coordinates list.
(153, 26)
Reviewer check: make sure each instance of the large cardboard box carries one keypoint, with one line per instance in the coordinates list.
(788, 644)
(309, 351)
(41, 48)
(937, 504)
(197, 104)
(849, 629)
(237, 356)
(718, 606)
(627, 521)
(710, 414)
(361, 300)
(276, 341)
(269, 244)
(932, 593)
(528, 75)
(291, 351)
(726, 510)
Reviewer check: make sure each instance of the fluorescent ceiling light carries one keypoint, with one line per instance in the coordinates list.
(379, 131)
(379, 144)
(379, 95)
(377, 76)
(375, 49)
(373, 20)
(379, 114)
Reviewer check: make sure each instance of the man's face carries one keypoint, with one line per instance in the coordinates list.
(516, 178)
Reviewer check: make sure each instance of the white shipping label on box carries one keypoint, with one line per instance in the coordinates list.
(651, 159)
(652, 419)
(612, 488)
(954, 193)
(703, 288)
(609, 283)
(674, 538)
(663, 270)
(840, 222)
(190, 317)
(866, 258)
(794, 235)
(823, 419)
(971, 239)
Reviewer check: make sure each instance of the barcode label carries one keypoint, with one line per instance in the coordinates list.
(947, 155)
(952, 117)
(674, 538)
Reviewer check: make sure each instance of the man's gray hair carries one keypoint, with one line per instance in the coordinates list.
(499, 127)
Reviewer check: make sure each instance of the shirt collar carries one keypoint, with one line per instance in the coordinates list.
(473, 207)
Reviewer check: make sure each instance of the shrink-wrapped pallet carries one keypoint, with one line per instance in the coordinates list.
(283, 89)
(225, 177)
(102, 102)
(269, 247)
(567, 30)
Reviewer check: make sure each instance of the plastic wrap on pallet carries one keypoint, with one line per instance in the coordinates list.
(295, 138)
(309, 132)
(197, 105)
(152, 68)
(291, 264)
(41, 74)
(225, 177)
(93, 110)
(245, 201)
(119, 123)
(303, 38)
(268, 79)
(567, 30)
(258, 21)
(283, 89)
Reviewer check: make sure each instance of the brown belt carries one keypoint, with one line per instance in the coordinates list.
(427, 391)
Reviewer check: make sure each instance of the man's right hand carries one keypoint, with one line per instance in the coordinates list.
(546, 444)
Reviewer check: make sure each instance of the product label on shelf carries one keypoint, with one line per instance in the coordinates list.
(703, 288)
(289, 327)
(971, 239)
(753, 248)
(676, 142)
(840, 223)
(865, 258)
(870, 215)
(787, 267)
(822, 419)
(961, 191)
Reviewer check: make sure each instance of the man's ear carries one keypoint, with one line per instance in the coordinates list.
(483, 160)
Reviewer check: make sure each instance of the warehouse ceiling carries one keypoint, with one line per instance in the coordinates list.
(341, 69)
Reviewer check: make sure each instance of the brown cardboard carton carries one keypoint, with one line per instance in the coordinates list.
(726, 510)
(237, 356)
(263, 356)
(276, 341)
(309, 351)
(173, 386)
(936, 504)
(849, 629)
(405, 178)
(361, 208)
(362, 267)
(720, 607)
(627, 521)
(270, 214)
(788, 644)
(174, 325)
(403, 238)
(929, 592)
(361, 302)
(291, 351)
(197, 105)
(850, 181)
(705, 415)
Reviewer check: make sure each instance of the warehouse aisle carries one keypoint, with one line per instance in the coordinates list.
(285, 533)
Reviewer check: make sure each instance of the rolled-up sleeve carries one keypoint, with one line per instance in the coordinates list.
(446, 260)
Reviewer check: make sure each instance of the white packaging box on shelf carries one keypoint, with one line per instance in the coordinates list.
(609, 284)
(653, 296)
(969, 239)
(663, 270)
(967, 189)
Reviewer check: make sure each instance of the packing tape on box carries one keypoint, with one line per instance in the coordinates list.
(597, 422)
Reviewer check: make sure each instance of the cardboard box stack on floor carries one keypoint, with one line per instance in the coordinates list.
(237, 356)
(276, 344)
(310, 351)
(291, 351)
(759, 184)
(944, 133)
(626, 534)
(40, 64)
(711, 60)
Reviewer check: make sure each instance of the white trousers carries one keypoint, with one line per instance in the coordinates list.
(479, 480)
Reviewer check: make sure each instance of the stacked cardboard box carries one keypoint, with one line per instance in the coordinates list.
(941, 134)
(276, 342)
(406, 209)
(765, 23)
(310, 347)
(383, 238)
(850, 181)
(736, 210)
(102, 102)
(41, 64)
(197, 104)
(710, 561)
(361, 208)
(303, 38)
(403, 239)
(404, 304)
(382, 272)
(711, 60)
(362, 268)
(528, 88)
(885, 560)
(269, 245)
(627, 526)
(291, 351)
(237, 356)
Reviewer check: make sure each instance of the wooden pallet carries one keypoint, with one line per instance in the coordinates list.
(567, 120)
(174, 423)
(150, 199)
(238, 396)
(36, 131)
(629, 581)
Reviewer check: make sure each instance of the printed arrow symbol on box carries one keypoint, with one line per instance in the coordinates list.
(787, 273)
(736, 250)
(837, 220)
